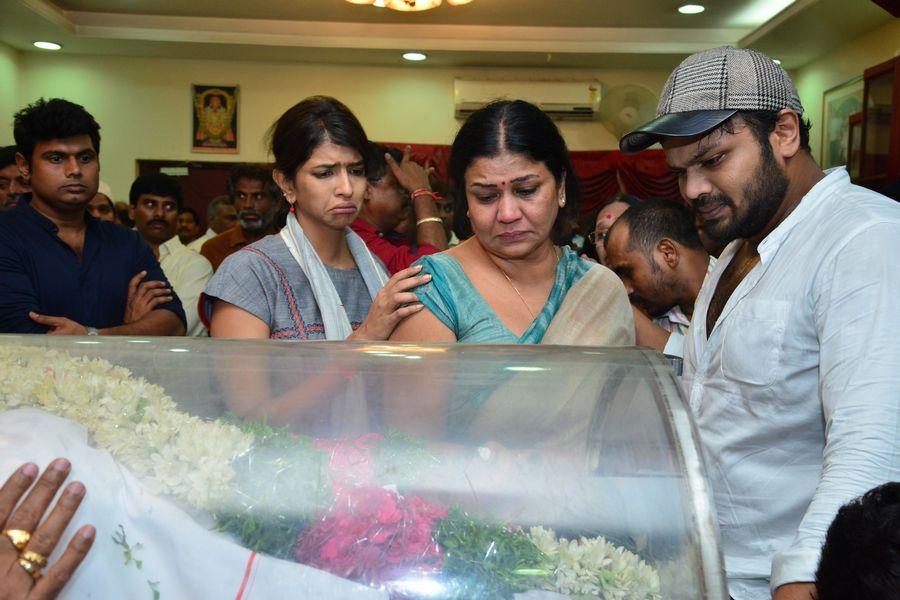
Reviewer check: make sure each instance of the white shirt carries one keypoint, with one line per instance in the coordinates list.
(188, 272)
(797, 390)
(198, 243)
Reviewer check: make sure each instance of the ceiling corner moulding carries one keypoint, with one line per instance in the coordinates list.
(794, 8)
(51, 12)
(317, 34)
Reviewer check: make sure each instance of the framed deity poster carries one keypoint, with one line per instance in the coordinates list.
(215, 110)
(838, 104)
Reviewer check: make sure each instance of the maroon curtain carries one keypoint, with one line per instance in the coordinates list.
(646, 175)
(602, 173)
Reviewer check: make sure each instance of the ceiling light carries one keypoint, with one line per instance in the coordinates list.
(691, 9)
(414, 56)
(409, 5)
(413, 5)
(47, 45)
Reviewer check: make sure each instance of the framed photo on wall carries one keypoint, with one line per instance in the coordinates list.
(215, 109)
(838, 104)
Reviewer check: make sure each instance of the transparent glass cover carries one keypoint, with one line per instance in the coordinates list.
(259, 469)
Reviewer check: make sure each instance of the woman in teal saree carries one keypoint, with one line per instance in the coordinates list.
(509, 283)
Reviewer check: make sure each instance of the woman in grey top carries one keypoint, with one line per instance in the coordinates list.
(315, 279)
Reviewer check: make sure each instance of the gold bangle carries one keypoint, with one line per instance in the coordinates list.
(429, 220)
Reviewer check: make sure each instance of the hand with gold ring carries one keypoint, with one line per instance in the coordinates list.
(28, 543)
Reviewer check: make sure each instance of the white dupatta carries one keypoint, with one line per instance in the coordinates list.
(334, 316)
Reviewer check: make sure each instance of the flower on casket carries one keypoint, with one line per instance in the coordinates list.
(350, 461)
(171, 451)
(373, 535)
(594, 567)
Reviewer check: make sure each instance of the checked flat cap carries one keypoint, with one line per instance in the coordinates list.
(711, 86)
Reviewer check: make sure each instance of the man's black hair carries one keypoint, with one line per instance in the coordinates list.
(7, 156)
(192, 212)
(54, 119)
(157, 184)
(762, 123)
(655, 218)
(253, 172)
(376, 165)
(861, 556)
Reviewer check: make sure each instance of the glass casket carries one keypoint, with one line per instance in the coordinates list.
(258, 469)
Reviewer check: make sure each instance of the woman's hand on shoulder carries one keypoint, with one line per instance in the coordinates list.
(392, 304)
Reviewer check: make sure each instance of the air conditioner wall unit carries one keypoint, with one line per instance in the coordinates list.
(563, 100)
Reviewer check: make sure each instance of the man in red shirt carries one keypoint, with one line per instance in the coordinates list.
(397, 185)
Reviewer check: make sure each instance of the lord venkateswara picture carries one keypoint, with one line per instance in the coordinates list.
(215, 119)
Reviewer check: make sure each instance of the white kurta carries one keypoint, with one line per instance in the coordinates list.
(797, 389)
(188, 272)
(197, 244)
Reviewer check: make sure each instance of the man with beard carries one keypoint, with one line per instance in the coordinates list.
(156, 200)
(61, 270)
(655, 250)
(256, 199)
(791, 364)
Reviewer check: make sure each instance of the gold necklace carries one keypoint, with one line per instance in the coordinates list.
(516, 290)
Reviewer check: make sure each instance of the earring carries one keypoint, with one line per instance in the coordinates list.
(291, 209)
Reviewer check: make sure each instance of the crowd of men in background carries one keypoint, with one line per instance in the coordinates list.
(391, 223)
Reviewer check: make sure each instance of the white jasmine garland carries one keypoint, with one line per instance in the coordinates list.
(172, 452)
(595, 568)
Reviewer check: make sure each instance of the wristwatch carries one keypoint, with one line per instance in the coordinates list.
(92, 331)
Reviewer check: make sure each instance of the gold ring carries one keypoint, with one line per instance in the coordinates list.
(30, 568)
(33, 557)
(18, 537)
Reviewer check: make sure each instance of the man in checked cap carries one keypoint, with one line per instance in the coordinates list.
(792, 361)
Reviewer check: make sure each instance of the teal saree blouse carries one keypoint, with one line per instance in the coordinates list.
(452, 298)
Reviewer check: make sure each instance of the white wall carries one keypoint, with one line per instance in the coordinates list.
(144, 105)
(9, 91)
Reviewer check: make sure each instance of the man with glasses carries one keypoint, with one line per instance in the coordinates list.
(396, 187)
(257, 200)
